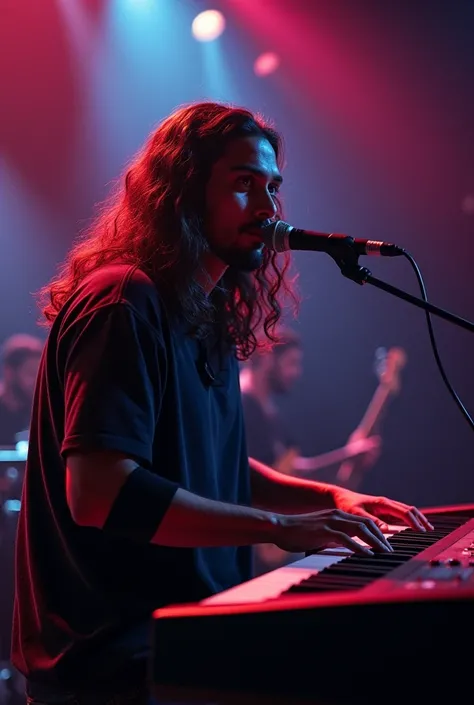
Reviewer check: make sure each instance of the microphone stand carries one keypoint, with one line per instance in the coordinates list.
(348, 263)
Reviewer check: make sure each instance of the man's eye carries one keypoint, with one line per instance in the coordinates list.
(245, 180)
(273, 188)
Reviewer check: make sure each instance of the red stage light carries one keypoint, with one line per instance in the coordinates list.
(266, 63)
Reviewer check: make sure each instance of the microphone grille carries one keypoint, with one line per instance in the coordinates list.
(275, 236)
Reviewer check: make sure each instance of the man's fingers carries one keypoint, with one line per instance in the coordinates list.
(342, 539)
(409, 515)
(377, 526)
(371, 534)
(421, 517)
(417, 520)
(351, 529)
(374, 443)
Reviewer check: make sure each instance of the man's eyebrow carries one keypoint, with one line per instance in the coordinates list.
(259, 172)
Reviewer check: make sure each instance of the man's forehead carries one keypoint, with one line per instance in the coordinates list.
(256, 151)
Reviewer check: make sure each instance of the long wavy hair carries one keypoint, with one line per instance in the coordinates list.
(155, 218)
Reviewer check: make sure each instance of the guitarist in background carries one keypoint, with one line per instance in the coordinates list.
(268, 374)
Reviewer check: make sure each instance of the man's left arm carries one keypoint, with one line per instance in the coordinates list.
(273, 491)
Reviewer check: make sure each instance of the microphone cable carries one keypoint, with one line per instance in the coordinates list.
(433, 342)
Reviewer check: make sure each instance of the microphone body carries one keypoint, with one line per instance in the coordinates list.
(280, 237)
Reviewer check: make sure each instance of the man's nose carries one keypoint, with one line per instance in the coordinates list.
(266, 206)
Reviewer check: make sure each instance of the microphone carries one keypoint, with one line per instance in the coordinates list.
(280, 237)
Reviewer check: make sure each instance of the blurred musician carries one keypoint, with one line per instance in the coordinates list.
(21, 355)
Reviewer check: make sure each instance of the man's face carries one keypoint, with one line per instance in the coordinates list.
(240, 196)
(286, 369)
(22, 379)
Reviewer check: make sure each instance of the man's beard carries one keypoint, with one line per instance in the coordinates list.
(240, 258)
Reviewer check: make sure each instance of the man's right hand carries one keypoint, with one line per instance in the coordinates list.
(365, 447)
(364, 451)
(303, 532)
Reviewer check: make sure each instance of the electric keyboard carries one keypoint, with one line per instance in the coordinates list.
(334, 627)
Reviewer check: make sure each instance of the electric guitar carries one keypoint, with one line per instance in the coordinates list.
(388, 365)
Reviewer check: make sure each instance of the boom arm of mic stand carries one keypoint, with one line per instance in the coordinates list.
(362, 275)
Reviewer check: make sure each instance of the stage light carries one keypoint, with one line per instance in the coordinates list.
(208, 25)
(266, 63)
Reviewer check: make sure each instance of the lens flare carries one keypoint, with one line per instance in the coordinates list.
(266, 63)
(208, 25)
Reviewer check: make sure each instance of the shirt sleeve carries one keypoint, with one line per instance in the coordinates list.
(114, 373)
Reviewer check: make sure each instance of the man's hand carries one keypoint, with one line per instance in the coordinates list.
(364, 451)
(356, 515)
(378, 508)
(304, 532)
(367, 448)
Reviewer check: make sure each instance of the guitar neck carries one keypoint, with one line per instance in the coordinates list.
(374, 410)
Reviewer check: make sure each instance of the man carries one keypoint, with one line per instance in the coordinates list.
(272, 371)
(138, 491)
(21, 355)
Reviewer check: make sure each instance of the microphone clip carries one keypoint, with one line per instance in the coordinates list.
(348, 262)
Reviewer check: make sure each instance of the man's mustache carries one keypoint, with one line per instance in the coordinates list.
(256, 225)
